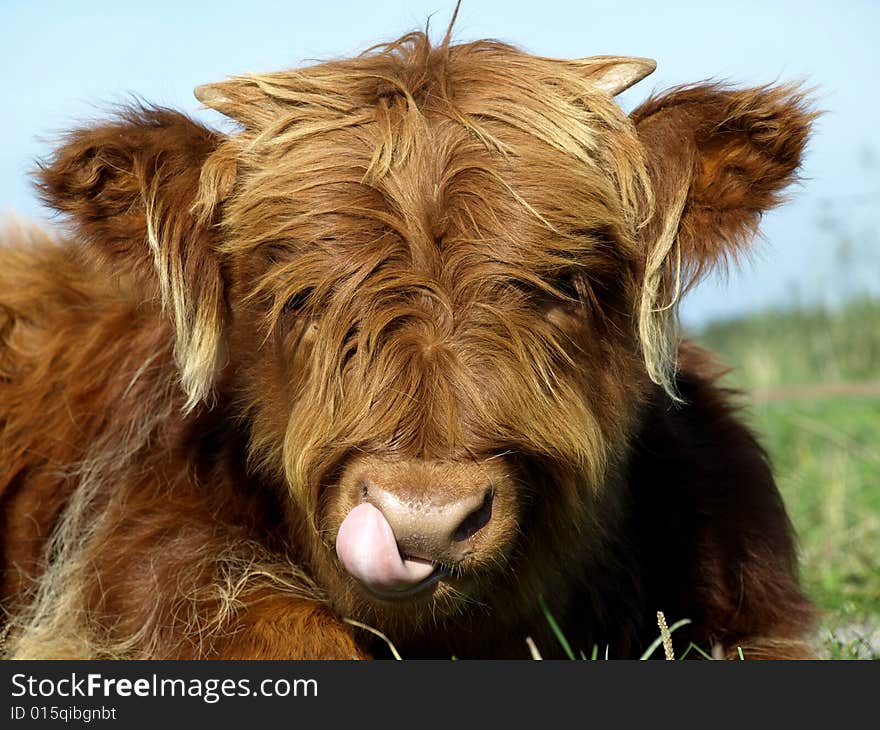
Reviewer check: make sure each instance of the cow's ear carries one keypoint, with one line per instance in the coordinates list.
(129, 188)
(717, 159)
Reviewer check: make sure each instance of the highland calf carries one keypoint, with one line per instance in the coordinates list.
(401, 350)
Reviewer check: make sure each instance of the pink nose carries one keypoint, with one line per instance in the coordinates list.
(395, 546)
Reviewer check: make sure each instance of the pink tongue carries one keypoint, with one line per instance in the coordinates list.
(367, 548)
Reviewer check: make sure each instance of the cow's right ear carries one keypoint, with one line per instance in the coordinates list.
(129, 188)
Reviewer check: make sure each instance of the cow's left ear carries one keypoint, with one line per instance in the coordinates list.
(717, 159)
(130, 188)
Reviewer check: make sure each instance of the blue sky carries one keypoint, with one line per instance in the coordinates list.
(64, 62)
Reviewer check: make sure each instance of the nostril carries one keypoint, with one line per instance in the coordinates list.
(476, 520)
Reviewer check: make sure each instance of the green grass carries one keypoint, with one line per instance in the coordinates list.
(825, 449)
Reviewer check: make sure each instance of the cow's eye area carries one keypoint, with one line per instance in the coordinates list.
(568, 286)
(299, 305)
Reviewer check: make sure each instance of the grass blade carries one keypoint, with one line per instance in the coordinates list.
(375, 632)
(533, 650)
(566, 647)
(694, 647)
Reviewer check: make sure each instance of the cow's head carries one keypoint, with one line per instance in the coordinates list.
(437, 282)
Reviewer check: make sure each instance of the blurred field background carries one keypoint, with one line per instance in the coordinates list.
(812, 379)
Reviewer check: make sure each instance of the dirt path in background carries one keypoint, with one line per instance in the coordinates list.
(813, 392)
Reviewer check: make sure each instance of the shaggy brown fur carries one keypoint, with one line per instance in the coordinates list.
(438, 267)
